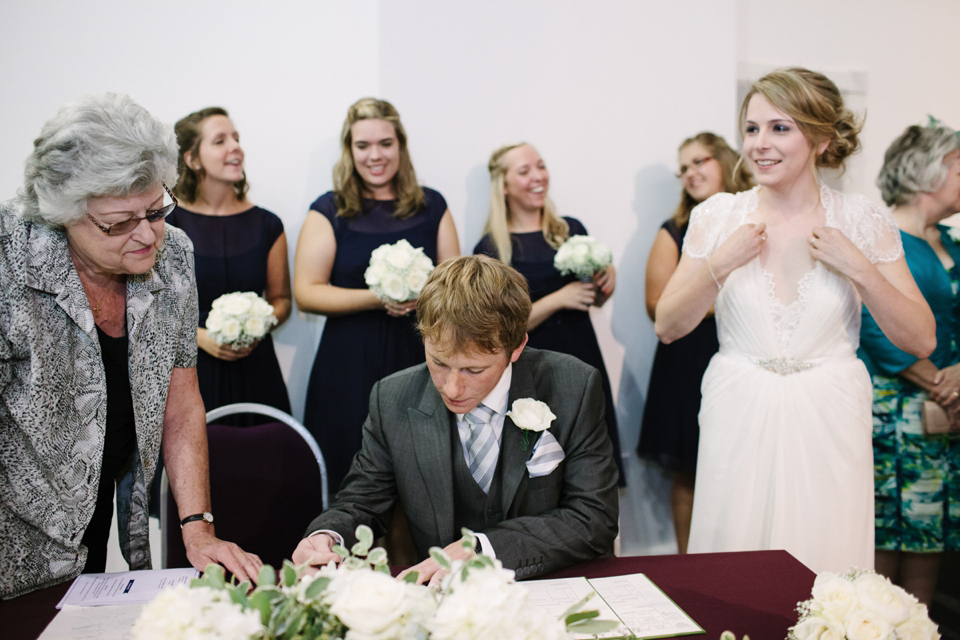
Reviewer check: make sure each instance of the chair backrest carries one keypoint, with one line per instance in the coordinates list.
(267, 483)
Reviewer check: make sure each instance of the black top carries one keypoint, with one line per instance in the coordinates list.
(119, 445)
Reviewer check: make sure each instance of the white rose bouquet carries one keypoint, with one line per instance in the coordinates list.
(240, 319)
(358, 600)
(582, 256)
(398, 271)
(859, 605)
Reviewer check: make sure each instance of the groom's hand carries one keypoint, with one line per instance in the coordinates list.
(315, 551)
(430, 572)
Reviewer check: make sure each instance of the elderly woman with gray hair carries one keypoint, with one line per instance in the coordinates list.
(98, 316)
(916, 478)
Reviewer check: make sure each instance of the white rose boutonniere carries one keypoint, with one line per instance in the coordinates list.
(530, 415)
(953, 233)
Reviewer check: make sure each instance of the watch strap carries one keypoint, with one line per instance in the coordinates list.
(206, 516)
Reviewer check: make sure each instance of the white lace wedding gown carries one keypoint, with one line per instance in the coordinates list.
(785, 458)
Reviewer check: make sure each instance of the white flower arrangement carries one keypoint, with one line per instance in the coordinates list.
(358, 600)
(398, 271)
(582, 256)
(239, 319)
(859, 605)
(183, 613)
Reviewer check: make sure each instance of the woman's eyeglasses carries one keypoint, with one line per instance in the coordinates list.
(127, 226)
(694, 164)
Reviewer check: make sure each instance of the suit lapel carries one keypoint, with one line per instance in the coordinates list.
(430, 428)
(514, 458)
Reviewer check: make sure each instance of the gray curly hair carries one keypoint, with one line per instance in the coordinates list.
(99, 145)
(914, 163)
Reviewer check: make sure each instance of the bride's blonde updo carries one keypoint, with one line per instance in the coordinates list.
(815, 104)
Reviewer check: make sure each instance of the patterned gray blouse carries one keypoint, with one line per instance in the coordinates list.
(53, 402)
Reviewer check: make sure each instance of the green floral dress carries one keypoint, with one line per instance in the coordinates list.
(916, 477)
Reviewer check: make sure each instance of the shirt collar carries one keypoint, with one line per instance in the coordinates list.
(496, 400)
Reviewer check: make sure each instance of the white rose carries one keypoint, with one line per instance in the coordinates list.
(601, 254)
(236, 305)
(394, 288)
(370, 603)
(262, 308)
(415, 281)
(834, 595)
(182, 612)
(374, 274)
(399, 257)
(424, 263)
(255, 327)
(531, 414)
(230, 330)
(865, 624)
(488, 604)
(580, 254)
(876, 593)
(817, 628)
(214, 320)
(919, 626)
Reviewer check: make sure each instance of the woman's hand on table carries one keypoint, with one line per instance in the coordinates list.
(204, 548)
(222, 351)
(399, 309)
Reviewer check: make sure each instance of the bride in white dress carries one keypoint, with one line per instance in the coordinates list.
(785, 458)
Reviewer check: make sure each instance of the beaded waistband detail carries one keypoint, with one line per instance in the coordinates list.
(784, 366)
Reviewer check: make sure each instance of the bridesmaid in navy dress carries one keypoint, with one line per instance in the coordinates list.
(237, 247)
(375, 200)
(524, 230)
(670, 432)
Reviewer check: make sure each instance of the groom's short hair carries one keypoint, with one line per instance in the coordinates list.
(474, 302)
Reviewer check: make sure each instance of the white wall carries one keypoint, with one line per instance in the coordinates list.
(593, 85)
(605, 89)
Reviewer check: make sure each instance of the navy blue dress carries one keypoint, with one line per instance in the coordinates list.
(670, 432)
(230, 253)
(358, 349)
(568, 330)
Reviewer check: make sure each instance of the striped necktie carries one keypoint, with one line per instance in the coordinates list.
(481, 444)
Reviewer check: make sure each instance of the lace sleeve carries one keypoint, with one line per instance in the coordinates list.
(706, 224)
(872, 229)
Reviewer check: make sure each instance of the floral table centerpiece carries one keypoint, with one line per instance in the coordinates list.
(359, 600)
(861, 605)
(240, 319)
(398, 271)
(582, 256)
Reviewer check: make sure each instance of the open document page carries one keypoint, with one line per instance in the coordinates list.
(640, 606)
(126, 587)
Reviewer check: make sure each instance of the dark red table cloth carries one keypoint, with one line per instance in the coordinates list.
(753, 592)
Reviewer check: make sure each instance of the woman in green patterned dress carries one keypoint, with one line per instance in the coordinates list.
(916, 476)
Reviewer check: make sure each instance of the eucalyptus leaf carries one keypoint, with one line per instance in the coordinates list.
(288, 576)
(267, 576)
(365, 535)
(340, 550)
(594, 627)
(411, 577)
(239, 594)
(213, 576)
(440, 558)
(574, 618)
(260, 601)
(377, 556)
(317, 587)
(578, 606)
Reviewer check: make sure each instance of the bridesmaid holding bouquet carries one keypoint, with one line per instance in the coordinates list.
(375, 201)
(524, 230)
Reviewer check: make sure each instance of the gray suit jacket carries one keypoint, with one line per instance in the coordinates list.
(551, 522)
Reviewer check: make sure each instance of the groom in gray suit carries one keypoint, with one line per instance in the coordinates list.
(440, 440)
